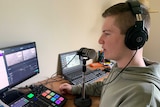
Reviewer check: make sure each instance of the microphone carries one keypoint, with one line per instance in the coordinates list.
(84, 100)
(85, 52)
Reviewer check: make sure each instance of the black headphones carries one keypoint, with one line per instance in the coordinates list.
(136, 35)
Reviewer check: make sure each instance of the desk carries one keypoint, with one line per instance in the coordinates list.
(54, 83)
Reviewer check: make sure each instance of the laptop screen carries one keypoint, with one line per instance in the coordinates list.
(70, 61)
(17, 64)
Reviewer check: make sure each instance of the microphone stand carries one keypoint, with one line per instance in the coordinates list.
(83, 101)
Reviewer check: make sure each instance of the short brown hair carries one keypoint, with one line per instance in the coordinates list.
(124, 16)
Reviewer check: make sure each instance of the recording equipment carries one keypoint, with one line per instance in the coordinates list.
(137, 34)
(18, 63)
(40, 96)
(85, 52)
(83, 100)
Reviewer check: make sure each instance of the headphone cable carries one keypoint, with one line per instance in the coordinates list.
(122, 69)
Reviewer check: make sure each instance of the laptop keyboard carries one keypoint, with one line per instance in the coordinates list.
(90, 77)
(74, 75)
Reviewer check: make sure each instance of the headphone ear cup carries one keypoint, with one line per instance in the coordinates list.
(136, 37)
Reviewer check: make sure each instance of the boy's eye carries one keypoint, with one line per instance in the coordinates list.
(106, 33)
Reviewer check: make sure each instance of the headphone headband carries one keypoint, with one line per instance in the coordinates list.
(137, 34)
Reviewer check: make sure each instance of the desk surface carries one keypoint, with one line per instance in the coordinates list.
(55, 82)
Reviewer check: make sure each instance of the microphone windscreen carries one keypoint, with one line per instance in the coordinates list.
(92, 54)
(85, 52)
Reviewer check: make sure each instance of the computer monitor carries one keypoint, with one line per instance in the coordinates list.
(17, 64)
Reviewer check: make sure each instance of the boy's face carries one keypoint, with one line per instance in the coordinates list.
(112, 40)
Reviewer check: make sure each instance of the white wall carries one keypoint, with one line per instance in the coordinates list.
(59, 26)
(152, 47)
(55, 25)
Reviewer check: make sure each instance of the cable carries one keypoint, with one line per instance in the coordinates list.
(53, 75)
(52, 79)
(69, 61)
(122, 69)
(66, 64)
(118, 73)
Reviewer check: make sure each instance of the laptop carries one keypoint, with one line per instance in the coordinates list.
(72, 66)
